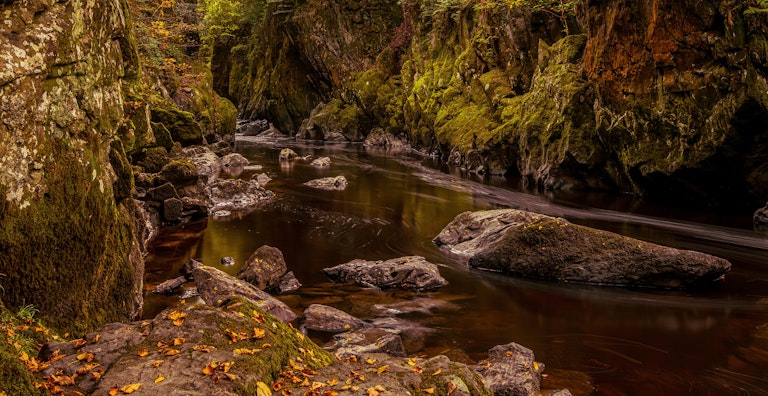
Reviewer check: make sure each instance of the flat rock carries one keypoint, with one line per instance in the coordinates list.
(320, 317)
(170, 285)
(366, 340)
(511, 369)
(321, 162)
(237, 195)
(536, 246)
(216, 287)
(264, 268)
(409, 273)
(337, 183)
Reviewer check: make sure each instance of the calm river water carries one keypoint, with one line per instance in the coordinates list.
(628, 341)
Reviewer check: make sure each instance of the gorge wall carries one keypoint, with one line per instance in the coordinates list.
(68, 244)
(655, 97)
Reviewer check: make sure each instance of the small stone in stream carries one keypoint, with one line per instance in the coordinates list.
(222, 213)
(227, 261)
(287, 154)
(170, 285)
(264, 268)
(329, 319)
(321, 162)
(337, 183)
(288, 283)
(410, 273)
(234, 159)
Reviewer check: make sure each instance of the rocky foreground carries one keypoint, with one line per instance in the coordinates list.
(242, 341)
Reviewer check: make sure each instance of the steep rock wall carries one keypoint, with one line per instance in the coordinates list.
(67, 236)
(654, 97)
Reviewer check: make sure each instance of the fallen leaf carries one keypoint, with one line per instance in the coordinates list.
(332, 382)
(536, 366)
(87, 367)
(411, 362)
(382, 369)
(96, 338)
(172, 352)
(429, 390)
(246, 351)
(226, 366)
(204, 348)
(143, 352)
(157, 363)
(145, 323)
(373, 392)
(438, 371)
(262, 389)
(159, 378)
(113, 391)
(178, 341)
(210, 368)
(130, 388)
(87, 356)
(418, 369)
(57, 355)
(79, 343)
(370, 361)
(258, 333)
(330, 392)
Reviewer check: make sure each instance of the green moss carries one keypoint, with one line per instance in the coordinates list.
(69, 251)
(162, 135)
(122, 188)
(15, 378)
(181, 124)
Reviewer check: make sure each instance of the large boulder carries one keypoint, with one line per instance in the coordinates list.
(411, 272)
(182, 125)
(531, 245)
(264, 268)
(511, 370)
(329, 319)
(216, 287)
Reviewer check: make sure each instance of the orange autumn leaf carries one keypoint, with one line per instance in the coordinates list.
(143, 352)
(172, 352)
(130, 388)
(157, 363)
(113, 391)
(429, 390)
(332, 382)
(178, 341)
(230, 376)
(159, 378)
(79, 343)
(370, 361)
(226, 366)
(203, 348)
(96, 338)
(210, 368)
(57, 355)
(258, 333)
(87, 367)
(418, 369)
(87, 356)
(382, 369)
(438, 371)
(451, 388)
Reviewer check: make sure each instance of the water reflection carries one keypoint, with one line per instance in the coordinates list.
(632, 342)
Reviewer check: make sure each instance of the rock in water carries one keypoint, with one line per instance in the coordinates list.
(321, 162)
(170, 285)
(328, 183)
(234, 159)
(287, 154)
(288, 283)
(542, 247)
(411, 272)
(216, 287)
(264, 268)
(511, 370)
(227, 261)
(329, 319)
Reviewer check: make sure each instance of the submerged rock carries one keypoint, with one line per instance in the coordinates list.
(410, 273)
(511, 370)
(288, 283)
(329, 319)
(216, 287)
(542, 247)
(379, 138)
(337, 183)
(264, 268)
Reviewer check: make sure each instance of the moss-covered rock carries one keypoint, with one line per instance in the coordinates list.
(63, 181)
(181, 124)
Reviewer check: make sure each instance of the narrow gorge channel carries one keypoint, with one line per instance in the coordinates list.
(628, 341)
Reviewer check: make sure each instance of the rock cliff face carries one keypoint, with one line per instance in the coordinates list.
(67, 238)
(658, 98)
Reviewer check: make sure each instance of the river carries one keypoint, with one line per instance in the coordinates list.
(629, 341)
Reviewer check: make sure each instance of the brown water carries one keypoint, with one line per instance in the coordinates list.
(631, 342)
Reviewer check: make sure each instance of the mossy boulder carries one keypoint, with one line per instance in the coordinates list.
(536, 246)
(181, 124)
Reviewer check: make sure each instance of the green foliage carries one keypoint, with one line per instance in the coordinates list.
(27, 312)
(220, 17)
(756, 6)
